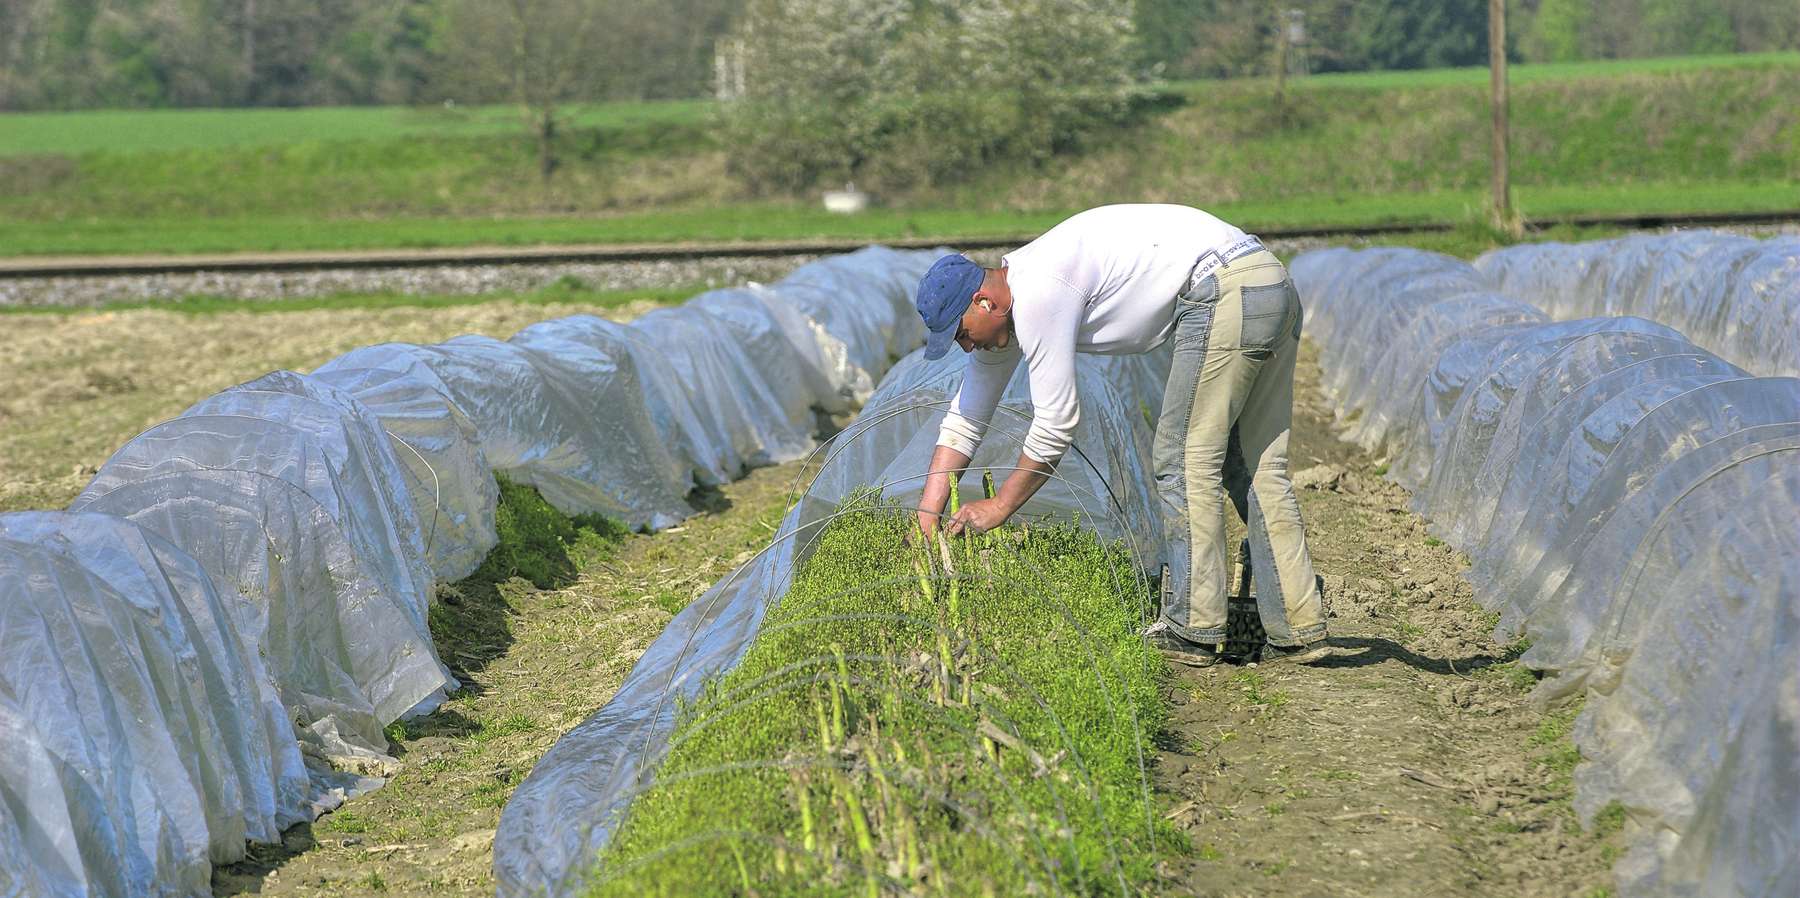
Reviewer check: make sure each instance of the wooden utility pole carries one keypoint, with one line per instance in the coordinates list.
(1502, 180)
(1281, 64)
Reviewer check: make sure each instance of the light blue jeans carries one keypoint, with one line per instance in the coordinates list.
(1226, 416)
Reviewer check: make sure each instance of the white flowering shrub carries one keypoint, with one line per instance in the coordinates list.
(896, 93)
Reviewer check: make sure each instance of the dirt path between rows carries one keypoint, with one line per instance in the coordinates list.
(1408, 763)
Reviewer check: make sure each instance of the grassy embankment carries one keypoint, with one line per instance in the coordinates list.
(980, 727)
(1639, 136)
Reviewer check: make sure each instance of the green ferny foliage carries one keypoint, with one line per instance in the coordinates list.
(960, 717)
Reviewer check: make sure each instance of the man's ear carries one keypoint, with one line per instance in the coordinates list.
(985, 298)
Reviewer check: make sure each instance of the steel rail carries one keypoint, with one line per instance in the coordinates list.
(20, 267)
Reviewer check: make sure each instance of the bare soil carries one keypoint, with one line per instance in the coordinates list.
(1408, 764)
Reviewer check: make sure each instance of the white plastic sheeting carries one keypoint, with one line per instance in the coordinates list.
(780, 344)
(568, 417)
(452, 488)
(349, 652)
(1628, 500)
(746, 420)
(858, 340)
(260, 568)
(562, 815)
(1578, 577)
(1737, 296)
(364, 457)
(345, 603)
(1693, 712)
(143, 740)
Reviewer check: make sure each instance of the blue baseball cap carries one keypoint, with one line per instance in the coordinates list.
(944, 295)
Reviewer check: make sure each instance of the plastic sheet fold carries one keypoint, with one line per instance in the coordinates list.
(745, 419)
(781, 344)
(335, 454)
(581, 349)
(858, 340)
(1570, 589)
(1699, 657)
(347, 656)
(1466, 433)
(364, 466)
(570, 420)
(1628, 500)
(1534, 518)
(452, 488)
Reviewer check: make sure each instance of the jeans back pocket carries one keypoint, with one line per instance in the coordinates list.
(1267, 316)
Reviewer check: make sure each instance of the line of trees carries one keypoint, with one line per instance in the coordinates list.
(74, 54)
(71, 54)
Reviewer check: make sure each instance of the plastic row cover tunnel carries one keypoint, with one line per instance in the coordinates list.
(290, 491)
(1738, 296)
(1628, 500)
(261, 567)
(563, 814)
(143, 741)
(625, 419)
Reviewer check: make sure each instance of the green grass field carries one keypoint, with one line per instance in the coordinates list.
(129, 131)
(161, 130)
(760, 221)
(1702, 134)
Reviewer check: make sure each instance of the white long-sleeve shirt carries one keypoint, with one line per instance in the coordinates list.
(1104, 281)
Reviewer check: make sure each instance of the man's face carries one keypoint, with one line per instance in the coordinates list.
(984, 326)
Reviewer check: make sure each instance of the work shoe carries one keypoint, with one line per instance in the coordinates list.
(1297, 654)
(1179, 649)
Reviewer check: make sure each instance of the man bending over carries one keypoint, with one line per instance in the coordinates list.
(1123, 279)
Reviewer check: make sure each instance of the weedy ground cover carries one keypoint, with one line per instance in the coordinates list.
(969, 716)
(536, 540)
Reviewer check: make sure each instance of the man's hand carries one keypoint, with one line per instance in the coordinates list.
(979, 516)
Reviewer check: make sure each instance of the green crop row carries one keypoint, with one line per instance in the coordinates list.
(963, 717)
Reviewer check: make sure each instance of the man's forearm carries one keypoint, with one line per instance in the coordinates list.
(1021, 484)
(944, 461)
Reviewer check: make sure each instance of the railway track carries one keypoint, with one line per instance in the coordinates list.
(19, 267)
